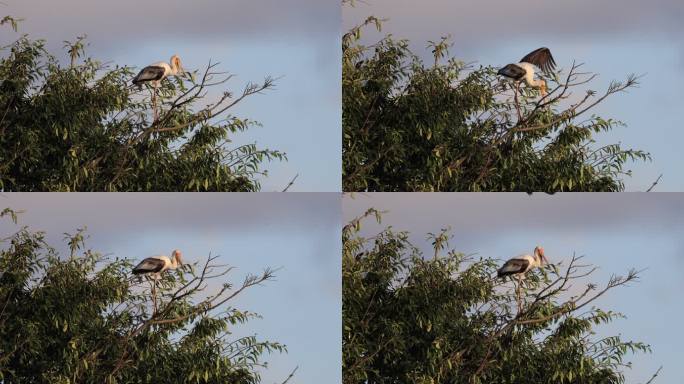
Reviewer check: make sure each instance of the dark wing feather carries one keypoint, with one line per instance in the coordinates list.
(512, 71)
(149, 265)
(542, 58)
(150, 73)
(513, 266)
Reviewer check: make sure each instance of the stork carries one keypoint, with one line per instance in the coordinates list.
(155, 73)
(520, 265)
(154, 266)
(525, 69)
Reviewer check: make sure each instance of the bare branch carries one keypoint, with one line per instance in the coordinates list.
(291, 183)
(291, 375)
(654, 183)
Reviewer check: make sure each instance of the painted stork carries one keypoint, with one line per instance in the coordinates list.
(154, 266)
(519, 266)
(155, 73)
(524, 70)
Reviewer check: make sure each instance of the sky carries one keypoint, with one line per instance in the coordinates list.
(615, 232)
(614, 38)
(297, 232)
(296, 41)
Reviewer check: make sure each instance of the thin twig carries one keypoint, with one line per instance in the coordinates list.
(654, 183)
(291, 375)
(654, 375)
(290, 183)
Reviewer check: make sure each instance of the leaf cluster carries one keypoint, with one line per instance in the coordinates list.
(82, 318)
(82, 127)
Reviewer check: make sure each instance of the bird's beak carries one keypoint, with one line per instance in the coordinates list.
(544, 259)
(540, 252)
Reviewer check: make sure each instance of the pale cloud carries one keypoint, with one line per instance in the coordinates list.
(129, 22)
(473, 22)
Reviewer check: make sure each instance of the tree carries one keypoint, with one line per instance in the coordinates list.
(83, 318)
(447, 318)
(448, 126)
(82, 127)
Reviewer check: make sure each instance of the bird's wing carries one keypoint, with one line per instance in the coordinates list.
(513, 266)
(512, 71)
(542, 58)
(149, 73)
(149, 265)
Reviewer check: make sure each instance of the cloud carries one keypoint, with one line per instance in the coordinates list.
(502, 212)
(132, 22)
(115, 216)
(473, 23)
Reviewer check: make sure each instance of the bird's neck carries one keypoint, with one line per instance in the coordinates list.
(538, 260)
(536, 82)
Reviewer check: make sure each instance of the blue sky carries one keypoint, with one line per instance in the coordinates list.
(615, 232)
(298, 232)
(613, 38)
(297, 40)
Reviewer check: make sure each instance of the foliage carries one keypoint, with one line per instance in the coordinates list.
(82, 127)
(448, 319)
(408, 126)
(81, 318)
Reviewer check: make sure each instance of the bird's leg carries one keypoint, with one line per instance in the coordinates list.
(517, 294)
(515, 99)
(154, 105)
(154, 297)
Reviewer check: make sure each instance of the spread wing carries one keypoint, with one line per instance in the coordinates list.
(149, 265)
(149, 73)
(542, 58)
(513, 266)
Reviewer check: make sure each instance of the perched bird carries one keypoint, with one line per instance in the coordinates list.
(525, 69)
(157, 72)
(520, 265)
(153, 266)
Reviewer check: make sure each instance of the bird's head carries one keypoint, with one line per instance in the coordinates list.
(178, 256)
(539, 252)
(176, 63)
(542, 88)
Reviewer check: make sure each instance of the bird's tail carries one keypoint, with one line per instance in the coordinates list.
(135, 278)
(501, 273)
(511, 71)
(136, 84)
